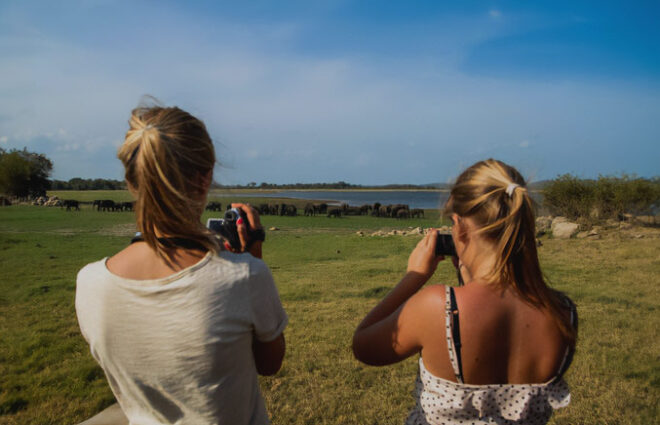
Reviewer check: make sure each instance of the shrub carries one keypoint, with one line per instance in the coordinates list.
(607, 197)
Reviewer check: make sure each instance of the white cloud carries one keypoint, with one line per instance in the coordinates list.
(4, 140)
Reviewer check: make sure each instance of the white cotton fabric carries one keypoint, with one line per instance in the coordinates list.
(178, 350)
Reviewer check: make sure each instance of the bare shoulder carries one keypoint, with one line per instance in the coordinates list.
(431, 297)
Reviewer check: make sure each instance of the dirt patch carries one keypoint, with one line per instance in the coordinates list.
(119, 230)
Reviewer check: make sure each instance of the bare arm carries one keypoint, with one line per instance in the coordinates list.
(268, 356)
(391, 331)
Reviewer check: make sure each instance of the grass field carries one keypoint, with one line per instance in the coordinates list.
(328, 278)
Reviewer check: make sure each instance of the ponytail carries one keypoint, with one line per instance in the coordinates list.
(495, 196)
(167, 154)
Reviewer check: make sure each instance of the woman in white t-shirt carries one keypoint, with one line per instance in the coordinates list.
(180, 325)
(503, 361)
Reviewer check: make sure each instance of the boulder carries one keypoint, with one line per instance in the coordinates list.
(558, 219)
(543, 225)
(564, 229)
(625, 225)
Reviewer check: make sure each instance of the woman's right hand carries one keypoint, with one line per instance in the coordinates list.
(255, 223)
(422, 260)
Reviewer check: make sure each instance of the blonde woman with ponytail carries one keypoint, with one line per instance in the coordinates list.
(494, 350)
(180, 326)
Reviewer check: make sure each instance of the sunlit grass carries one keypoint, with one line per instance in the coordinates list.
(328, 278)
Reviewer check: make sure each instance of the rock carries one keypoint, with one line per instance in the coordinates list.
(558, 219)
(611, 224)
(273, 229)
(582, 235)
(359, 233)
(538, 242)
(417, 231)
(564, 229)
(624, 225)
(543, 225)
(646, 219)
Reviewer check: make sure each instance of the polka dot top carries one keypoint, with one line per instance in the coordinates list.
(439, 401)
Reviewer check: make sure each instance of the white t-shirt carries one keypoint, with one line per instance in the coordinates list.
(179, 349)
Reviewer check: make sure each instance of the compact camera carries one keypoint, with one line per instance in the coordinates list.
(228, 230)
(445, 245)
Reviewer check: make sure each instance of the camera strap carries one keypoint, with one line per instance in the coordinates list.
(174, 242)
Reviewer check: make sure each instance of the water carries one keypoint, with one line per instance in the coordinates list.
(414, 198)
(426, 199)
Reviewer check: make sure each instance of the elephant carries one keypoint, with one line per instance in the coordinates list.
(127, 206)
(402, 213)
(364, 209)
(320, 208)
(385, 211)
(334, 212)
(309, 210)
(70, 204)
(214, 206)
(291, 210)
(395, 209)
(417, 213)
(107, 205)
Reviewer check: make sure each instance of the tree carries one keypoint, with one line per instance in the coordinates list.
(24, 173)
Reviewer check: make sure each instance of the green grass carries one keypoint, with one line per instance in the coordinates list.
(328, 278)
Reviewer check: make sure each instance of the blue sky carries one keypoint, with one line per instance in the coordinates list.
(361, 91)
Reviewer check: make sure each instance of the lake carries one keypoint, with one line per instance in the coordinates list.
(414, 198)
(427, 199)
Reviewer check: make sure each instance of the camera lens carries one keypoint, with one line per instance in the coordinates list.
(232, 215)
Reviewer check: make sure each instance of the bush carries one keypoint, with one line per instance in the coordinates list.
(607, 197)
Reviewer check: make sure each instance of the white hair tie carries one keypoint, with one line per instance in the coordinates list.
(510, 188)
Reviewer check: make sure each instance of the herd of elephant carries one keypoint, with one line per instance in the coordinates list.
(312, 209)
(110, 205)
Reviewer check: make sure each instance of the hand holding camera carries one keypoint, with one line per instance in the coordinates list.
(240, 228)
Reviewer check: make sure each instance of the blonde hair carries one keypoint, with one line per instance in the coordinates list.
(494, 195)
(167, 155)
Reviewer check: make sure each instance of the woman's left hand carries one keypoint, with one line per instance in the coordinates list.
(422, 260)
(254, 223)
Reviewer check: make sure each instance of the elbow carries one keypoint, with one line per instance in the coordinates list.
(268, 357)
(270, 369)
(359, 351)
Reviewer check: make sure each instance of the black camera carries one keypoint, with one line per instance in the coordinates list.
(228, 230)
(445, 245)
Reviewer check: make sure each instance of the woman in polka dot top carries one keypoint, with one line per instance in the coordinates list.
(494, 350)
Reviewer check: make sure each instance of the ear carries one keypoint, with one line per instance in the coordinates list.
(207, 179)
(460, 229)
(131, 189)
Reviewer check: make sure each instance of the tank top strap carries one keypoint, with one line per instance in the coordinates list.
(451, 327)
(568, 354)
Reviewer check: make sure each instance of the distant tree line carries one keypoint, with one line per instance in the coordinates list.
(24, 173)
(77, 183)
(605, 197)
